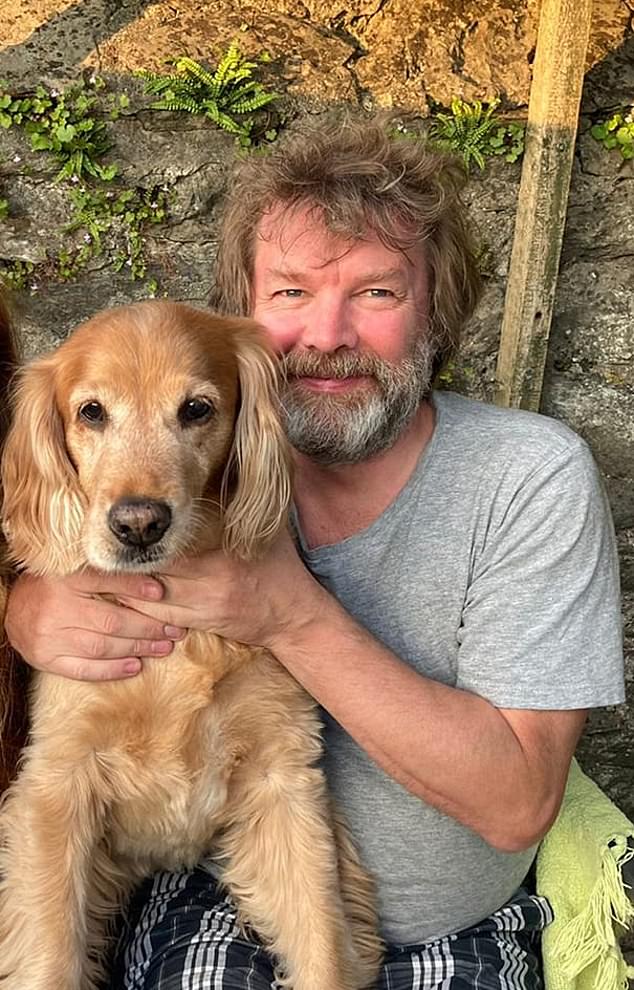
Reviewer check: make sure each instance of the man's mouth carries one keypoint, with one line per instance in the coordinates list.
(325, 384)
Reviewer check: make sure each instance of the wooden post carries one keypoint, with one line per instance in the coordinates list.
(553, 112)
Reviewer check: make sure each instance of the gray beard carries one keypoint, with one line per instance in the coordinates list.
(346, 429)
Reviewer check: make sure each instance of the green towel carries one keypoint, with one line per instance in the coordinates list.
(579, 870)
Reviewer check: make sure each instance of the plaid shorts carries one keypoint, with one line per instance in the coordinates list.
(180, 933)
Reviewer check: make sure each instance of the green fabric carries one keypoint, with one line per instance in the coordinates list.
(579, 870)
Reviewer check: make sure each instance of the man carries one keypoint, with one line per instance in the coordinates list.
(450, 599)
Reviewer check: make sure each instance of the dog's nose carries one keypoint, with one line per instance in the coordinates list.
(139, 522)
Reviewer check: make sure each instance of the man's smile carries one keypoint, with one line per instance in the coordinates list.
(318, 384)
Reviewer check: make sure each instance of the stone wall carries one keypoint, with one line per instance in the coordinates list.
(384, 52)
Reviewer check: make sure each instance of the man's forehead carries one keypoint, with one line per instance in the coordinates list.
(293, 237)
(295, 227)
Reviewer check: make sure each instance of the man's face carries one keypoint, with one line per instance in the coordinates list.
(348, 318)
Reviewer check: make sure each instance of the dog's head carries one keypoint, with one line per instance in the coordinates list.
(152, 430)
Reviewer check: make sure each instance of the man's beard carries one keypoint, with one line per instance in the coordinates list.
(346, 428)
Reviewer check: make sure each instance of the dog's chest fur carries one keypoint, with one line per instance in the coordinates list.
(168, 752)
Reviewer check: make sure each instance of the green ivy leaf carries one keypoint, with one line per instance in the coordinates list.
(65, 133)
(108, 172)
(40, 142)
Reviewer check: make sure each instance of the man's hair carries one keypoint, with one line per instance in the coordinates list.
(360, 175)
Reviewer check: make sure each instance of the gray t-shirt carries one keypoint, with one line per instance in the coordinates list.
(494, 571)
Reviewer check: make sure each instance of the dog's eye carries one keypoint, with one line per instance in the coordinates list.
(195, 411)
(92, 413)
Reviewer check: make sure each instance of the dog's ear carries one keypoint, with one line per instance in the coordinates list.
(256, 489)
(43, 505)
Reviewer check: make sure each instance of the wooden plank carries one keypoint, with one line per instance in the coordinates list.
(553, 113)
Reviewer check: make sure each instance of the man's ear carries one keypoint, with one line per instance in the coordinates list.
(43, 505)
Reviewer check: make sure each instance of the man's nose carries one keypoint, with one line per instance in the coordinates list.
(329, 325)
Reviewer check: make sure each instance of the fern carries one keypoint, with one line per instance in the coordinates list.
(158, 84)
(475, 133)
(228, 96)
(190, 69)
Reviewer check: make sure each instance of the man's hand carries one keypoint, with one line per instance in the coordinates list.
(255, 602)
(59, 625)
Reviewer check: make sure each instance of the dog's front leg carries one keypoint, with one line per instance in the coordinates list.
(50, 824)
(282, 870)
(359, 898)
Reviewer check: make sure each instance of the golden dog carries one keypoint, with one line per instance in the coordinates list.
(151, 433)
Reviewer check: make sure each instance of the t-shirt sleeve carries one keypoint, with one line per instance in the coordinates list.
(541, 623)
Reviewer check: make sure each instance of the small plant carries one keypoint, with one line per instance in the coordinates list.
(507, 140)
(453, 375)
(617, 132)
(16, 273)
(108, 218)
(4, 208)
(136, 208)
(472, 131)
(64, 124)
(229, 96)
(118, 215)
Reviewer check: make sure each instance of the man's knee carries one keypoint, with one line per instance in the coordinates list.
(178, 930)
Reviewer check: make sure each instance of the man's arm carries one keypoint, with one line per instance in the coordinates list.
(502, 772)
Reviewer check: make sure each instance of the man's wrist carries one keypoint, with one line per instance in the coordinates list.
(302, 624)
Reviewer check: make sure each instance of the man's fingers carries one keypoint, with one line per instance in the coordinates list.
(93, 582)
(126, 623)
(94, 646)
(82, 669)
(164, 616)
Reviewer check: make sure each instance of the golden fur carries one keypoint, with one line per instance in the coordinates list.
(212, 749)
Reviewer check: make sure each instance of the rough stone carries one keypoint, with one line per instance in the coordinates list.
(604, 417)
(592, 332)
(610, 81)
(379, 52)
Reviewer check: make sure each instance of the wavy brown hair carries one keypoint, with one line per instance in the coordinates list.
(360, 174)
(13, 672)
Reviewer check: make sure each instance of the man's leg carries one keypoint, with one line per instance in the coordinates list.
(501, 953)
(180, 933)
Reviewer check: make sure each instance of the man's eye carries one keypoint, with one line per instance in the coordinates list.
(380, 293)
(290, 293)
